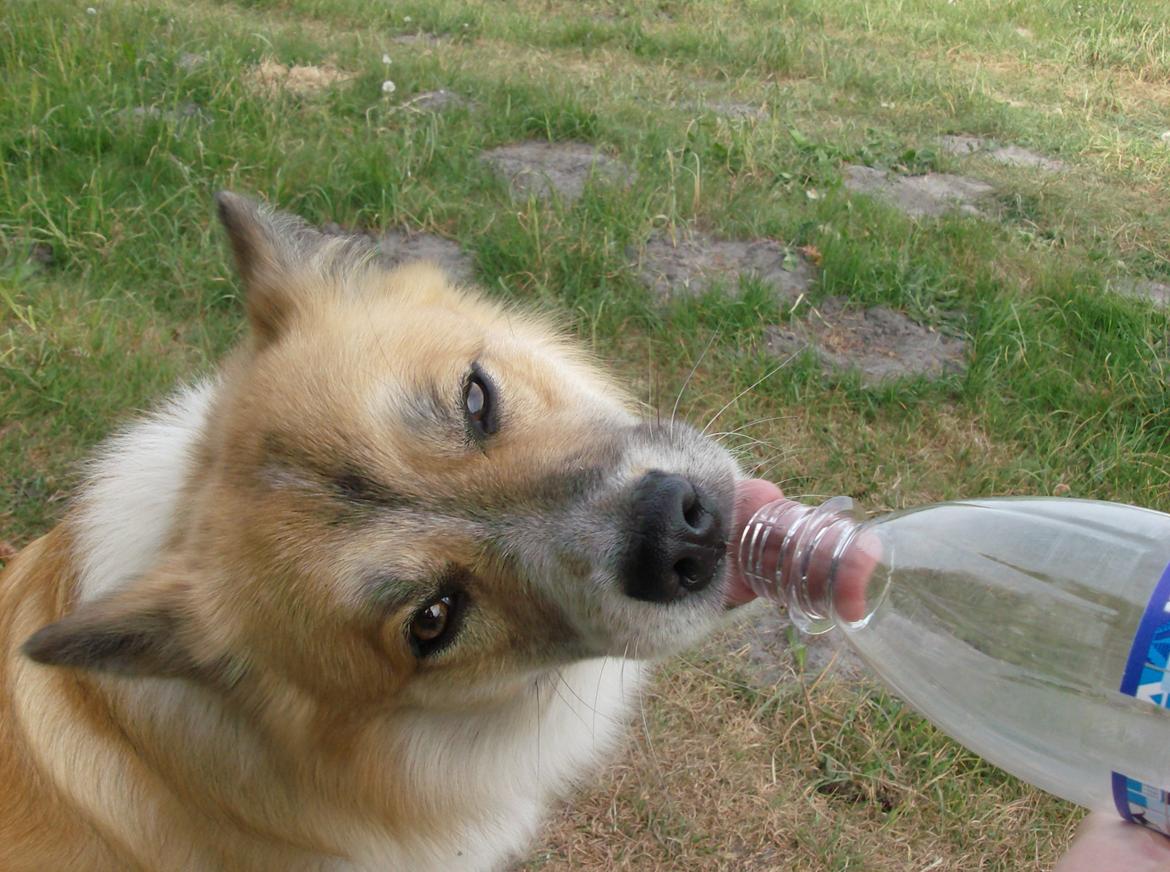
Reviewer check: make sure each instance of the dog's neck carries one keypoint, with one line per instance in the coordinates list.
(417, 790)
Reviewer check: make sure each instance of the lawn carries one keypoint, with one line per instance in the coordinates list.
(791, 126)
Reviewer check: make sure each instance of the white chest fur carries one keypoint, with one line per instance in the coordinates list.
(508, 766)
(128, 505)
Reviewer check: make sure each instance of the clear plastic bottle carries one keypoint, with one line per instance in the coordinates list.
(1033, 631)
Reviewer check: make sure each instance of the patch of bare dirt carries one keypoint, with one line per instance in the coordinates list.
(424, 39)
(186, 111)
(923, 196)
(41, 254)
(1011, 155)
(441, 100)
(731, 109)
(189, 62)
(1154, 292)
(397, 247)
(879, 342)
(34, 255)
(270, 77)
(545, 169)
(692, 263)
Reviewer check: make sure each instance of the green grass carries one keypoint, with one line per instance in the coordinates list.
(1067, 384)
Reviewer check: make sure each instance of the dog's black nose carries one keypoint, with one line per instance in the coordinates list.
(676, 539)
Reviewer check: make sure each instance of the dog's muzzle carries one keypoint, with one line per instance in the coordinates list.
(677, 539)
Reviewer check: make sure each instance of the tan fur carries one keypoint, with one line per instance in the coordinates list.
(251, 701)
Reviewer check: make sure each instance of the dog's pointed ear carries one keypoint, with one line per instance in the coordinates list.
(139, 631)
(282, 258)
(264, 244)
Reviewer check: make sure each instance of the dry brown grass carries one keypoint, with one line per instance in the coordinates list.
(722, 772)
(270, 77)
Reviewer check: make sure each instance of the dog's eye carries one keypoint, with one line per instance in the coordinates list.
(430, 622)
(476, 400)
(479, 402)
(434, 626)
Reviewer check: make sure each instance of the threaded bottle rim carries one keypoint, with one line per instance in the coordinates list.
(782, 556)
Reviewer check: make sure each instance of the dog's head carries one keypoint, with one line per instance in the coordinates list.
(406, 492)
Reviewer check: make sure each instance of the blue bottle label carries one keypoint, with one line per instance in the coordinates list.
(1147, 676)
(1141, 804)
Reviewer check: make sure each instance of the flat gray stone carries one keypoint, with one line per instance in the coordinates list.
(924, 196)
(962, 145)
(441, 100)
(1154, 292)
(693, 263)
(879, 342)
(542, 169)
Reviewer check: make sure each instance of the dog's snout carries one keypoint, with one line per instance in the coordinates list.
(676, 539)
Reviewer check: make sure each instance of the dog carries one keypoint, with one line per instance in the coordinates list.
(367, 598)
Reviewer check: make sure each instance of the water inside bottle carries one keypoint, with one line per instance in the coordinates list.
(1010, 623)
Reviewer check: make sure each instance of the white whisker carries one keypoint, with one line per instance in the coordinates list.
(568, 705)
(539, 715)
(687, 381)
(750, 387)
(646, 724)
(597, 697)
(754, 423)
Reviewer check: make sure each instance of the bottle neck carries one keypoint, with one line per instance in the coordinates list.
(813, 559)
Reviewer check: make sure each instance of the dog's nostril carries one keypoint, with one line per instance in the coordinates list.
(691, 573)
(692, 508)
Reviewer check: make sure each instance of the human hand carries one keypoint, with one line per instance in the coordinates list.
(1108, 844)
